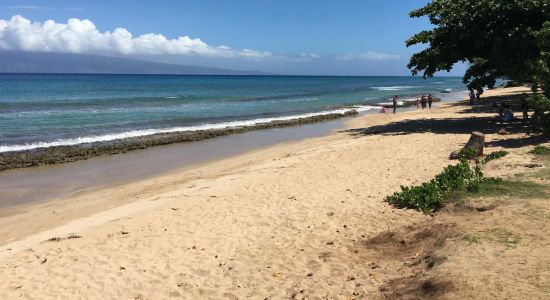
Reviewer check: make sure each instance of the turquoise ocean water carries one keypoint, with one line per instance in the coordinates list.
(42, 110)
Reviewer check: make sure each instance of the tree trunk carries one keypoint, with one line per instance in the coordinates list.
(476, 142)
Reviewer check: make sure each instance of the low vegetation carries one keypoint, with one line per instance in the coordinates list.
(493, 156)
(540, 150)
(430, 196)
(496, 235)
(540, 105)
(460, 181)
(467, 153)
(524, 189)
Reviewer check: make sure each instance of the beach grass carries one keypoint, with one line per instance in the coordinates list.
(540, 150)
(523, 189)
(497, 235)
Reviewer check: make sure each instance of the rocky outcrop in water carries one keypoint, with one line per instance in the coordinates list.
(62, 154)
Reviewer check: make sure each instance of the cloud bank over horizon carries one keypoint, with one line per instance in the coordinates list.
(81, 36)
(369, 55)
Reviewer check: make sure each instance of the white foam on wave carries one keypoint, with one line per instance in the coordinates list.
(390, 103)
(393, 88)
(409, 99)
(305, 99)
(146, 132)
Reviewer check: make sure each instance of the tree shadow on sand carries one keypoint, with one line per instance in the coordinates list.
(487, 104)
(484, 124)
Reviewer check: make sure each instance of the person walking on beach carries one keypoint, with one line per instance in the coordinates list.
(394, 102)
(417, 103)
(430, 100)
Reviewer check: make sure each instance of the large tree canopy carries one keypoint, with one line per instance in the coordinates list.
(497, 38)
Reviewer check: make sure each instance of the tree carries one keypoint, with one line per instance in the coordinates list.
(497, 38)
(543, 65)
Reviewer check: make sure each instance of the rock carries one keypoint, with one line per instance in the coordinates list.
(502, 131)
(352, 112)
(454, 154)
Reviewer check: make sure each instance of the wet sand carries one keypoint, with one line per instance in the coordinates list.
(27, 185)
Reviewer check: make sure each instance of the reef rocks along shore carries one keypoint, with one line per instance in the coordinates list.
(63, 154)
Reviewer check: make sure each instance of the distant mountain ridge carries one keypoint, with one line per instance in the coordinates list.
(43, 62)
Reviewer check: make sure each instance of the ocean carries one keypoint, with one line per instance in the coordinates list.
(45, 110)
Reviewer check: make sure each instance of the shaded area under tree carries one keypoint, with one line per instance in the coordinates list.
(463, 125)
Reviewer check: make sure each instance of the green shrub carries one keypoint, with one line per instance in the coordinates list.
(467, 153)
(540, 150)
(494, 155)
(429, 196)
(426, 197)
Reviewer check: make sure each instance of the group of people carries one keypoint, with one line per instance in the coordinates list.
(425, 101)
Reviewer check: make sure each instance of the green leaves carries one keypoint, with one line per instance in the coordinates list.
(429, 196)
(493, 156)
(540, 150)
(543, 63)
(497, 38)
(467, 153)
(540, 120)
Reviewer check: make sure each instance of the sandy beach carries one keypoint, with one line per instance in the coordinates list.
(299, 220)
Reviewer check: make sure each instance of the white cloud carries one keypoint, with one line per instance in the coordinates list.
(298, 57)
(31, 7)
(81, 36)
(370, 56)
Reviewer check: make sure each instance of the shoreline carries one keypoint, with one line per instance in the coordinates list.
(63, 154)
(18, 186)
(60, 154)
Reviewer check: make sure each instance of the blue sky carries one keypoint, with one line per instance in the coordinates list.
(345, 37)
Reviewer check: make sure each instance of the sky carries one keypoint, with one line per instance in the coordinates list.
(298, 37)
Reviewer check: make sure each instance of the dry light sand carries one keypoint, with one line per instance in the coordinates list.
(298, 220)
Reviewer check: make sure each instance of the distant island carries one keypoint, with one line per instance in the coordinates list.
(43, 62)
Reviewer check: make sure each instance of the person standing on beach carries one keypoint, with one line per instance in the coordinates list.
(423, 101)
(478, 94)
(430, 100)
(417, 103)
(394, 102)
(472, 96)
(525, 108)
